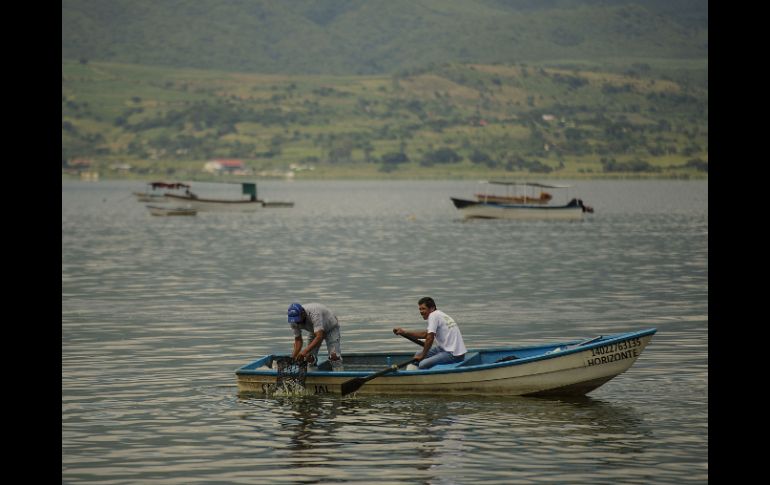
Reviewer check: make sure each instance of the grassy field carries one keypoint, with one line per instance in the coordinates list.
(629, 118)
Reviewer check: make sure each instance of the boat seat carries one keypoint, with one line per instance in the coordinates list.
(506, 359)
(471, 358)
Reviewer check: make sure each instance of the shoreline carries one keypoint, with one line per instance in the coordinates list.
(369, 177)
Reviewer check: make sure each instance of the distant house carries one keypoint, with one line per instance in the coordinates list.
(225, 166)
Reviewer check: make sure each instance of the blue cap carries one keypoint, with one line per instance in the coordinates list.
(295, 312)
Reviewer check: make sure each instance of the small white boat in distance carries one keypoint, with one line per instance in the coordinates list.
(252, 204)
(171, 211)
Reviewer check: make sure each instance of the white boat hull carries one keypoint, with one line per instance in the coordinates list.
(489, 211)
(171, 211)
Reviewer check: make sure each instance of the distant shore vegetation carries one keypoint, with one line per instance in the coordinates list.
(631, 118)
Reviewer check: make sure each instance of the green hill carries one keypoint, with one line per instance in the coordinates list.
(552, 119)
(377, 36)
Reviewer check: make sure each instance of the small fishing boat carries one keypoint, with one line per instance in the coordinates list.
(489, 206)
(250, 204)
(472, 209)
(569, 368)
(171, 211)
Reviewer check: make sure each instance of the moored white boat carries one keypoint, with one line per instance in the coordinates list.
(251, 204)
(499, 207)
(491, 210)
(559, 369)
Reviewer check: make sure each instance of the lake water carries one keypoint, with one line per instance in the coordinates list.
(158, 312)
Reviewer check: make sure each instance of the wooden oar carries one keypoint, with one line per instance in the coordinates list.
(355, 383)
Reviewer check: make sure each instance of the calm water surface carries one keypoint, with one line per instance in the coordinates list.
(157, 313)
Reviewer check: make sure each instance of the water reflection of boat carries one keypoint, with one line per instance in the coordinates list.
(566, 368)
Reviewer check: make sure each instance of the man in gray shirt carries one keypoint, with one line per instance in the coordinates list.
(322, 324)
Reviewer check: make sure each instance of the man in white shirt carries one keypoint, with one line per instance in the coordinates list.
(442, 329)
(322, 325)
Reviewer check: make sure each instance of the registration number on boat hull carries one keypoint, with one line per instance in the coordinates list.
(627, 349)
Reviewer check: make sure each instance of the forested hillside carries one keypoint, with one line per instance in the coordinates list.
(377, 36)
(443, 120)
(408, 88)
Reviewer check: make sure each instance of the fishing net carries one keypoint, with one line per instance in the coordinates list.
(291, 375)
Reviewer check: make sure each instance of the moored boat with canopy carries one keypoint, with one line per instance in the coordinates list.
(522, 204)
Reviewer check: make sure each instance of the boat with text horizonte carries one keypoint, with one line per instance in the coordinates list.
(251, 204)
(569, 368)
(490, 206)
